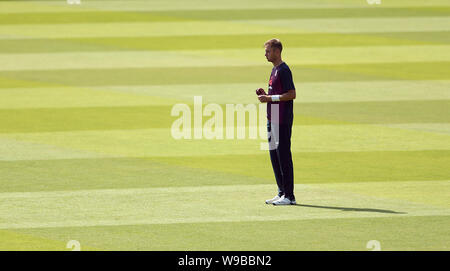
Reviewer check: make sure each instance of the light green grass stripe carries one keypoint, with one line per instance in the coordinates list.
(431, 193)
(395, 233)
(199, 42)
(224, 74)
(316, 92)
(314, 138)
(225, 27)
(338, 55)
(443, 128)
(217, 15)
(128, 59)
(63, 97)
(133, 29)
(230, 57)
(8, 7)
(354, 25)
(133, 5)
(66, 97)
(372, 91)
(199, 205)
(14, 241)
(11, 149)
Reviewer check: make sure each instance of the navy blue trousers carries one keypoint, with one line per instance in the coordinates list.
(281, 157)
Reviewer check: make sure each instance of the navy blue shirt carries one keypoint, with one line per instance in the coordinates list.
(281, 82)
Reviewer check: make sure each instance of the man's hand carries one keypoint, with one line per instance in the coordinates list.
(260, 91)
(264, 98)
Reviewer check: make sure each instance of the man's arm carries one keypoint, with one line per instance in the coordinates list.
(289, 95)
(288, 89)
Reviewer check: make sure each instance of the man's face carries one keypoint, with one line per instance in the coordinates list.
(271, 53)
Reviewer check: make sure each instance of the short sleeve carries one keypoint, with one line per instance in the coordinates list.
(286, 80)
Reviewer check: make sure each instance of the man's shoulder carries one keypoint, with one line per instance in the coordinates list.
(284, 67)
(284, 70)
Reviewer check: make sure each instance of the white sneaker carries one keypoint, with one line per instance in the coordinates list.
(270, 201)
(284, 201)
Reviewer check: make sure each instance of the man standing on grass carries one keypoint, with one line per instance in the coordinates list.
(279, 125)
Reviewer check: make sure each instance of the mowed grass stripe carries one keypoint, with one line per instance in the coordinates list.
(222, 14)
(354, 25)
(86, 118)
(139, 206)
(379, 112)
(288, 26)
(229, 57)
(148, 95)
(235, 236)
(208, 75)
(430, 194)
(205, 42)
(11, 6)
(326, 167)
(158, 142)
(372, 91)
(434, 128)
(13, 150)
(29, 120)
(14, 241)
(83, 173)
(65, 97)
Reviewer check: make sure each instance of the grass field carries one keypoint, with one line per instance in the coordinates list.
(86, 152)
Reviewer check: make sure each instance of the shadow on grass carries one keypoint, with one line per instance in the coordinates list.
(347, 209)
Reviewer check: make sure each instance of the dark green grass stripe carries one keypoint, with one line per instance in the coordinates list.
(204, 42)
(392, 71)
(231, 14)
(224, 74)
(85, 118)
(137, 172)
(104, 173)
(330, 167)
(141, 117)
